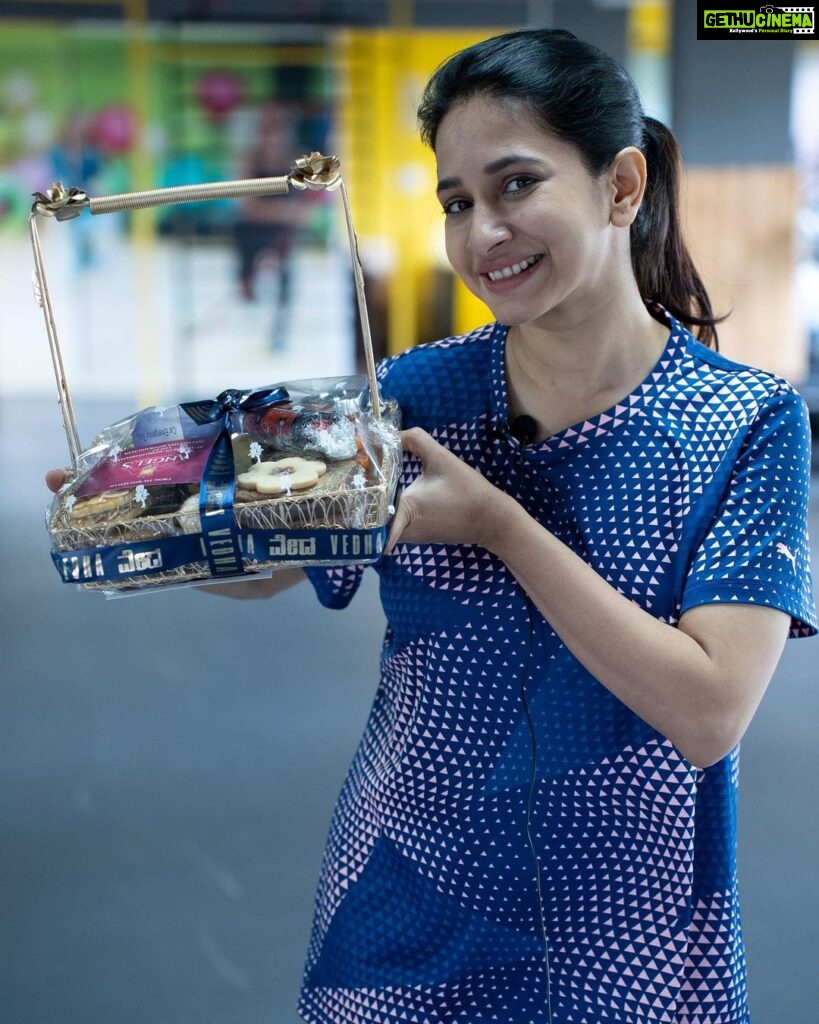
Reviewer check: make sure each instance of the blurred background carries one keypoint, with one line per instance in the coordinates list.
(169, 762)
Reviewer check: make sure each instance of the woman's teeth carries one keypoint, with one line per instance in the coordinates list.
(516, 268)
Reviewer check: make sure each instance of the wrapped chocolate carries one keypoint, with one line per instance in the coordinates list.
(300, 473)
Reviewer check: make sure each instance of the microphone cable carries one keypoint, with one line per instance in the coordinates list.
(524, 430)
(530, 801)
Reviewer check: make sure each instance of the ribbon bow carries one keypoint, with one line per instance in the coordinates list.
(216, 491)
(212, 410)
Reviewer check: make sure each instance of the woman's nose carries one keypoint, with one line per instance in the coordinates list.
(488, 228)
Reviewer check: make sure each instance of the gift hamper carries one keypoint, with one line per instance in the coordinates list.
(297, 473)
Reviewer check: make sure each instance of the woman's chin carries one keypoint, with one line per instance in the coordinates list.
(515, 314)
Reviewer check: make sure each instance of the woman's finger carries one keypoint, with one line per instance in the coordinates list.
(413, 442)
(419, 443)
(400, 521)
(55, 478)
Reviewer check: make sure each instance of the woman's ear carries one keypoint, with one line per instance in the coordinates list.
(627, 179)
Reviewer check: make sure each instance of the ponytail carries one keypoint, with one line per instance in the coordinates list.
(582, 95)
(662, 265)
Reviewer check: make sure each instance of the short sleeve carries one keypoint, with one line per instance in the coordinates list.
(336, 586)
(756, 549)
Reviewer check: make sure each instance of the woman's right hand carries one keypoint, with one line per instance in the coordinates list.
(55, 478)
(450, 502)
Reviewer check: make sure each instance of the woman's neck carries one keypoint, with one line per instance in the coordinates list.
(564, 373)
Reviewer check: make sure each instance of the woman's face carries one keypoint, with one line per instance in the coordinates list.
(527, 226)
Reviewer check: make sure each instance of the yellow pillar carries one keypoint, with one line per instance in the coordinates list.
(648, 49)
(391, 174)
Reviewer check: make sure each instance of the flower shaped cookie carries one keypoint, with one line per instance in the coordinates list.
(282, 476)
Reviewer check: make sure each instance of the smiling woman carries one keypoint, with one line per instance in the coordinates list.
(539, 824)
(527, 227)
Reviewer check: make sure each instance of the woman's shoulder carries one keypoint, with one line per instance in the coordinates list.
(438, 367)
(721, 363)
(740, 385)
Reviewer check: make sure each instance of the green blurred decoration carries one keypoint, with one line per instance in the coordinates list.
(112, 108)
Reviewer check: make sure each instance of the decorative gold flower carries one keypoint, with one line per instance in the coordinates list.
(316, 172)
(60, 202)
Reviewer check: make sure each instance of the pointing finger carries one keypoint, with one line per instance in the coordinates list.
(401, 520)
(418, 442)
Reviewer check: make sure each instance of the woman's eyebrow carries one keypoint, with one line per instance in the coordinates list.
(492, 168)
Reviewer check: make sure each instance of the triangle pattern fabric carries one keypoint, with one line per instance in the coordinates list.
(503, 803)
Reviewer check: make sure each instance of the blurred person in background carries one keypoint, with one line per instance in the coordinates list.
(599, 550)
(268, 226)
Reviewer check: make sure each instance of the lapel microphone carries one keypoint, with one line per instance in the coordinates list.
(523, 428)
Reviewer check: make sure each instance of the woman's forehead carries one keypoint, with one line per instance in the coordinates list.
(483, 130)
(477, 111)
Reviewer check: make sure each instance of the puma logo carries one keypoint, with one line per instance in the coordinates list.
(783, 549)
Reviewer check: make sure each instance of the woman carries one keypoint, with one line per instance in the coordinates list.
(540, 822)
(598, 553)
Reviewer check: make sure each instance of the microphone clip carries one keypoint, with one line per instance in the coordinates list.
(523, 428)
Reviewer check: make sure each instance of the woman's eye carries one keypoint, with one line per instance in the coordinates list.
(455, 206)
(519, 183)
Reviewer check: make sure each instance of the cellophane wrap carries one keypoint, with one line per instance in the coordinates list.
(296, 474)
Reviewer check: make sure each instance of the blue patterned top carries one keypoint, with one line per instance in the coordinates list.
(692, 490)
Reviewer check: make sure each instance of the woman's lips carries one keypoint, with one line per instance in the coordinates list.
(507, 277)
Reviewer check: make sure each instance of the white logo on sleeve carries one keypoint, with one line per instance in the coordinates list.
(783, 549)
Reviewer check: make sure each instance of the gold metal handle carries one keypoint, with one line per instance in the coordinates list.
(239, 189)
(313, 171)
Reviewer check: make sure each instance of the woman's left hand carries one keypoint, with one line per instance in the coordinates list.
(449, 503)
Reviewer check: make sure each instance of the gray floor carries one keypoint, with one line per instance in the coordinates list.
(168, 765)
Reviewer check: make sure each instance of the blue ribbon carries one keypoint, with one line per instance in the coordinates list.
(218, 486)
(125, 561)
(149, 558)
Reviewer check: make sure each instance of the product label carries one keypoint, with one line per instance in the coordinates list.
(172, 462)
(169, 423)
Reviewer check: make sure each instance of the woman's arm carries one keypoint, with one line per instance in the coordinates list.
(251, 589)
(698, 684)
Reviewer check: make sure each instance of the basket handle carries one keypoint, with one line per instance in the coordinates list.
(314, 171)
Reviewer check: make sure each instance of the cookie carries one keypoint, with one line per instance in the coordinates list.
(283, 476)
(106, 506)
(187, 518)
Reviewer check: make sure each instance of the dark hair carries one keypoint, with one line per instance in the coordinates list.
(582, 95)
